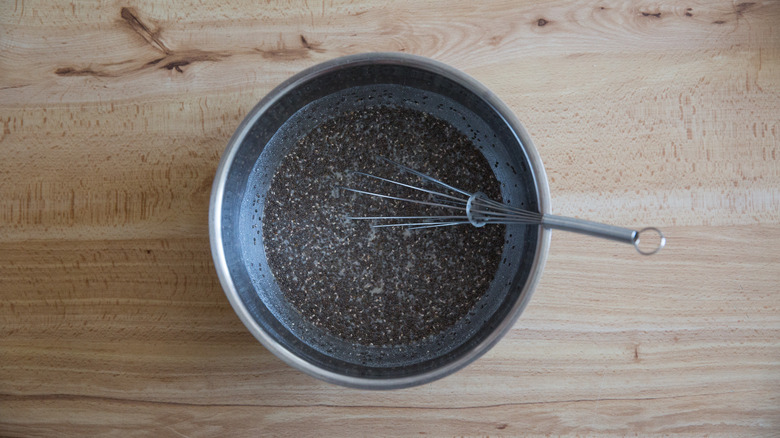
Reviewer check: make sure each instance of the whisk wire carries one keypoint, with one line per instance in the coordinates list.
(424, 176)
(398, 198)
(432, 192)
(421, 225)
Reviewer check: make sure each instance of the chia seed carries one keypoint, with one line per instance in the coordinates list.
(387, 286)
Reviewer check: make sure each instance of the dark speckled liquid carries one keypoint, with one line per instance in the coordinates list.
(389, 286)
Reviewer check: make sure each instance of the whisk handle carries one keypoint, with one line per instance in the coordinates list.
(604, 231)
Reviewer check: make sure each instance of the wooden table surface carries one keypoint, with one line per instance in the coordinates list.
(114, 117)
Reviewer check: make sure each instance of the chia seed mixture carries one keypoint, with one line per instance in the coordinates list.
(387, 286)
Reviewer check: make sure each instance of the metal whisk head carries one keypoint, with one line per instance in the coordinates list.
(468, 208)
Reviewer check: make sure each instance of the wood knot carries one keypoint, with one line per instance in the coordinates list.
(70, 71)
(176, 65)
(542, 22)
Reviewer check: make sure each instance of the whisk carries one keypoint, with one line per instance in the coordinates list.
(479, 210)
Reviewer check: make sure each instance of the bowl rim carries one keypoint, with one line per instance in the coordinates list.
(223, 170)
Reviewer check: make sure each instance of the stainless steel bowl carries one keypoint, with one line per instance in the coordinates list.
(263, 139)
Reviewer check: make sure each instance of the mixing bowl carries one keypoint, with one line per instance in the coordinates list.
(293, 109)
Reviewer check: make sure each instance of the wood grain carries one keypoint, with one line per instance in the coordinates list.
(114, 116)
